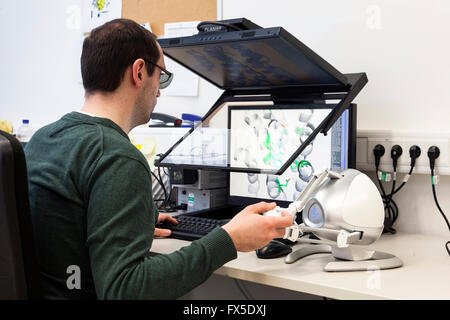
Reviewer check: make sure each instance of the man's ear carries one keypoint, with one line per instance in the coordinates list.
(137, 72)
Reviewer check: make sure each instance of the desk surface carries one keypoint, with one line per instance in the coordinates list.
(425, 273)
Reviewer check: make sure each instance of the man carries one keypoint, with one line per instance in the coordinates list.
(90, 188)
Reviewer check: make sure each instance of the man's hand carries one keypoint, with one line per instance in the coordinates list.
(164, 232)
(250, 231)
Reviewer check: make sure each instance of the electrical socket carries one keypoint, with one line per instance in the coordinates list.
(367, 140)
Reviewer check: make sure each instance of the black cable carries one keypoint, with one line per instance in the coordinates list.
(168, 207)
(167, 201)
(395, 210)
(404, 182)
(433, 187)
(389, 197)
(391, 212)
(168, 195)
(167, 204)
(390, 207)
(433, 153)
(414, 153)
(396, 152)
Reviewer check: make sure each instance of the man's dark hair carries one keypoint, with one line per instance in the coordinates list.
(110, 49)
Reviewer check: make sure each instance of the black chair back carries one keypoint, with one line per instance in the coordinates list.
(19, 271)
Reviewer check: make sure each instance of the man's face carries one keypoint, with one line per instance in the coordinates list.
(148, 97)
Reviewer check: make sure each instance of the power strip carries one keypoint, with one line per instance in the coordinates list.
(367, 140)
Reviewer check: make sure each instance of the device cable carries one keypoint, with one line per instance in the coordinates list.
(442, 212)
(433, 154)
(165, 205)
(396, 152)
(167, 194)
(404, 182)
(414, 153)
(391, 210)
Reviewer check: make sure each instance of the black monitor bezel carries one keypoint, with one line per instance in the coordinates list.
(258, 34)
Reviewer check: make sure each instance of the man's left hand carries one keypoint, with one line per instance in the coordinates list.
(164, 218)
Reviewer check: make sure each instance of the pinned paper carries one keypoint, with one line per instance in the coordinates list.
(147, 26)
(97, 12)
(147, 146)
(6, 125)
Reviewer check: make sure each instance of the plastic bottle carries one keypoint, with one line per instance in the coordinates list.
(24, 132)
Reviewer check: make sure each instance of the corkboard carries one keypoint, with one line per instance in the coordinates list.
(159, 12)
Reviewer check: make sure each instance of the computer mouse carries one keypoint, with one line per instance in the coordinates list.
(274, 249)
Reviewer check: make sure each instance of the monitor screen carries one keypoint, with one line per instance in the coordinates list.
(250, 138)
(278, 127)
(263, 58)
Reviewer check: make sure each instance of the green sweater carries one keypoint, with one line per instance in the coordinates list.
(92, 208)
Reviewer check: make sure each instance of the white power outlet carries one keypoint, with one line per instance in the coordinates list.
(367, 140)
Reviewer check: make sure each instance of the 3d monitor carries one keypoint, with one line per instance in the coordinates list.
(273, 130)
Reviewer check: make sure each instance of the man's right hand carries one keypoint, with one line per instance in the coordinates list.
(250, 230)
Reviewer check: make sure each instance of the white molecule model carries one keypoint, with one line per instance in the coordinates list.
(275, 139)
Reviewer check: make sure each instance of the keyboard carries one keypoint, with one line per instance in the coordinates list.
(191, 227)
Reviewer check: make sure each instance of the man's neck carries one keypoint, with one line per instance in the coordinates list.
(109, 106)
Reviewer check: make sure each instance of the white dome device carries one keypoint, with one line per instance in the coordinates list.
(345, 211)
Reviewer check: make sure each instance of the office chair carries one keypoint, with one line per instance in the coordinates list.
(19, 272)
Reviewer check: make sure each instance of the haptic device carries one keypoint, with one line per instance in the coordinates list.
(344, 210)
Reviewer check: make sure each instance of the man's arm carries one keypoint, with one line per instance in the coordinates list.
(120, 226)
(121, 221)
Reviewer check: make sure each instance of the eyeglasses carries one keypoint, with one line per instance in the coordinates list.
(165, 78)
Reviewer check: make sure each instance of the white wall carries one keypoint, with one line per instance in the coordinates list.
(402, 45)
(40, 73)
(40, 77)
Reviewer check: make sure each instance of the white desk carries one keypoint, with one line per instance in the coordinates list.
(425, 273)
